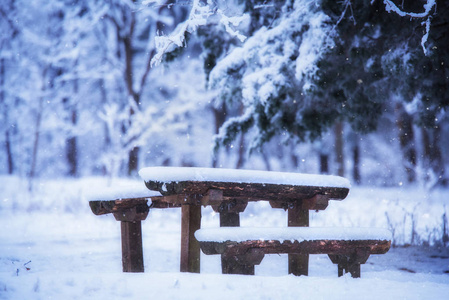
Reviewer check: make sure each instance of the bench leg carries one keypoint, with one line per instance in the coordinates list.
(131, 229)
(345, 266)
(229, 217)
(350, 263)
(132, 252)
(298, 264)
(233, 263)
(190, 247)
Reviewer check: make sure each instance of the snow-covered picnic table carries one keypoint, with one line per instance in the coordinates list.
(228, 192)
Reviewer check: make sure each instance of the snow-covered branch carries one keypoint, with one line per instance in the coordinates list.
(428, 6)
(391, 7)
(199, 15)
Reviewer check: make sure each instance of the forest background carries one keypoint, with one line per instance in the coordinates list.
(353, 88)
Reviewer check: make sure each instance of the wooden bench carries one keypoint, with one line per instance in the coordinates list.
(243, 248)
(227, 191)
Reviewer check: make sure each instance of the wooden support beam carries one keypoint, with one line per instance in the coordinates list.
(132, 251)
(190, 247)
(229, 217)
(298, 264)
(350, 263)
(131, 235)
(243, 264)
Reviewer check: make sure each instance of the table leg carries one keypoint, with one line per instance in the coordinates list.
(229, 217)
(190, 247)
(132, 252)
(298, 264)
(131, 228)
(232, 265)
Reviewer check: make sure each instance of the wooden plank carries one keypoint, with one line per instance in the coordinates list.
(336, 247)
(190, 247)
(101, 207)
(247, 191)
(298, 264)
(347, 254)
(132, 252)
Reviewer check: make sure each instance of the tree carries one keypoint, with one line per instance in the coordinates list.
(401, 53)
(10, 32)
(271, 72)
(289, 82)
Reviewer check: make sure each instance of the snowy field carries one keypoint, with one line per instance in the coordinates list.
(53, 247)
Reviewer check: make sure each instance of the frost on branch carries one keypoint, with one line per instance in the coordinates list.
(199, 15)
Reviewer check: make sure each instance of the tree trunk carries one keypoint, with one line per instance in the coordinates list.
(71, 148)
(339, 151)
(71, 142)
(9, 152)
(241, 152)
(133, 155)
(37, 128)
(9, 155)
(432, 157)
(356, 163)
(220, 118)
(133, 161)
(406, 141)
(324, 163)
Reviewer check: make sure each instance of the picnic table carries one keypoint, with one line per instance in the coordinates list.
(228, 193)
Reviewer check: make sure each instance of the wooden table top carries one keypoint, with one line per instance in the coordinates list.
(212, 186)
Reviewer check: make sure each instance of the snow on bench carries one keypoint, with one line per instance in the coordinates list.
(119, 198)
(242, 248)
(242, 234)
(122, 191)
(174, 174)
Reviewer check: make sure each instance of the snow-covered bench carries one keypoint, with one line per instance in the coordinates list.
(227, 191)
(243, 248)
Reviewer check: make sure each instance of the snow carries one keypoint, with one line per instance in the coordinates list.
(241, 234)
(122, 191)
(173, 174)
(77, 255)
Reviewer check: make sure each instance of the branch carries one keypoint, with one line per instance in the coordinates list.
(390, 6)
(430, 4)
(347, 5)
(164, 44)
(199, 16)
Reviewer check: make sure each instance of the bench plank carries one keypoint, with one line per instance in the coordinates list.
(248, 191)
(347, 250)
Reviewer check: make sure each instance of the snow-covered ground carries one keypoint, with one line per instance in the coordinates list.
(53, 247)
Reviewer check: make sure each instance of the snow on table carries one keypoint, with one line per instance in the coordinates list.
(174, 174)
(122, 191)
(242, 234)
